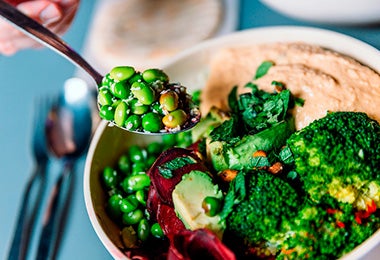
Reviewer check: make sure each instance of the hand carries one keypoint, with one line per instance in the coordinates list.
(56, 15)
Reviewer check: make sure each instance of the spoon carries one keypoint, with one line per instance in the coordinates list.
(44, 36)
(68, 132)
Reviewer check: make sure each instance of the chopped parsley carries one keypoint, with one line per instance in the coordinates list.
(166, 170)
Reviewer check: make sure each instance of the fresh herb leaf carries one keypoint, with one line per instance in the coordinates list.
(259, 161)
(166, 170)
(227, 131)
(263, 69)
(286, 155)
(233, 100)
(299, 102)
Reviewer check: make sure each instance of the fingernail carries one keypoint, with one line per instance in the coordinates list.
(50, 14)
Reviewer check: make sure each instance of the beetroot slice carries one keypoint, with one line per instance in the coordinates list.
(168, 220)
(165, 186)
(198, 244)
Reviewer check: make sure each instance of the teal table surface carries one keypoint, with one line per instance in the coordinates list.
(32, 73)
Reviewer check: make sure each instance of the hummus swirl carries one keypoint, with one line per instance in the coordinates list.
(325, 79)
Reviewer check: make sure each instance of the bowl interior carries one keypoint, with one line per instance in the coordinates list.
(191, 69)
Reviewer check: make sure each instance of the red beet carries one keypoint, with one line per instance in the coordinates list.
(168, 220)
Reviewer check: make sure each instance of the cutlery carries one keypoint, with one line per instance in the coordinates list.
(35, 187)
(44, 36)
(68, 132)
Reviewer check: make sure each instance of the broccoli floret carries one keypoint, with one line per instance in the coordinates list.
(326, 230)
(339, 155)
(269, 201)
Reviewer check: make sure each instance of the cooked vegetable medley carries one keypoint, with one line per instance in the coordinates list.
(264, 190)
(145, 101)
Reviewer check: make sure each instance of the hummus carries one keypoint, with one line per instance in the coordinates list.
(325, 79)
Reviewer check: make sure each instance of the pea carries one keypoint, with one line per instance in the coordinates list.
(137, 108)
(169, 100)
(151, 75)
(154, 148)
(133, 217)
(143, 230)
(156, 230)
(211, 205)
(143, 93)
(151, 122)
(121, 73)
(113, 206)
(124, 163)
(120, 90)
(136, 182)
(128, 204)
(110, 177)
(104, 96)
(175, 118)
(133, 122)
(106, 80)
(141, 196)
(121, 113)
(136, 153)
(135, 78)
(156, 107)
(107, 112)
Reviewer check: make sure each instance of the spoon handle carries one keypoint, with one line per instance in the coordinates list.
(56, 212)
(44, 36)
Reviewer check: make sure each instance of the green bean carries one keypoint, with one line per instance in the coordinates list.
(107, 112)
(152, 75)
(143, 230)
(121, 73)
(143, 93)
(156, 230)
(151, 122)
(121, 113)
(175, 118)
(110, 177)
(133, 122)
(133, 217)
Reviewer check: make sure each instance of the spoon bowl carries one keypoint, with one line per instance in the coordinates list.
(44, 36)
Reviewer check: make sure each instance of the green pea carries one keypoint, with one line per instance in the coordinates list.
(128, 204)
(141, 196)
(154, 148)
(105, 96)
(143, 230)
(152, 75)
(124, 163)
(137, 108)
(121, 113)
(151, 122)
(120, 89)
(169, 100)
(156, 230)
(121, 73)
(135, 78)
(107, 112)
(211, 205)
(133, 217)
(137, 182)
(175, 118)
(143, 93)
(113, 206)
(106, 80)
(133, 122)
(137, 153)
(110, 177)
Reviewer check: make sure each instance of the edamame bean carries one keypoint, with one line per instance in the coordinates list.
(105, 96)
(137, 182)
(124, 164)
(106, 80)
(143, 93)
(135, 78)
(110, 177)
(156, 107)
(151, 122)
(107, 112)
(133, 122)
(175, 118)
(121, 73)
(120, 89)
(137, 108)
(121, 113)
(113, 206)
(133, 217)
(154, 148)
(143, 230)
(169, 140)
(141, 196)
(152, 75)
(169, 100)
(156, 230)
(128, 204)
(137, 154)
(138, 168)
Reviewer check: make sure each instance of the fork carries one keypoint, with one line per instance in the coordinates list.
(36, 183)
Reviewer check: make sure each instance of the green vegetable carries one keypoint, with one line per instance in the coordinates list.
(175, 118)
(152, 75)
(156, 231)
(133, 217)
(121, 113)
(122, 73)
(263, 69)
(169, 101)
(151, 122)
(110, 177)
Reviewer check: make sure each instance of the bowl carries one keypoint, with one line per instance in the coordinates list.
(338, 12)
(191, 69)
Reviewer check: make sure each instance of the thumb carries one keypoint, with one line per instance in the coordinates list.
(42, 11)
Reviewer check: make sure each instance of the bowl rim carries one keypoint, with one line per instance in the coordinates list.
(357, 49)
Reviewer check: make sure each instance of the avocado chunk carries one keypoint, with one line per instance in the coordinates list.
(214, 118)
(188, 196)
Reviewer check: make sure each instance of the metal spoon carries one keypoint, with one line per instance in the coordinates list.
(68, 132)
(44, 36)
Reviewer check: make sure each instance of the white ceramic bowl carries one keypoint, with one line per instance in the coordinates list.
(343, 12)
(190, 68)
